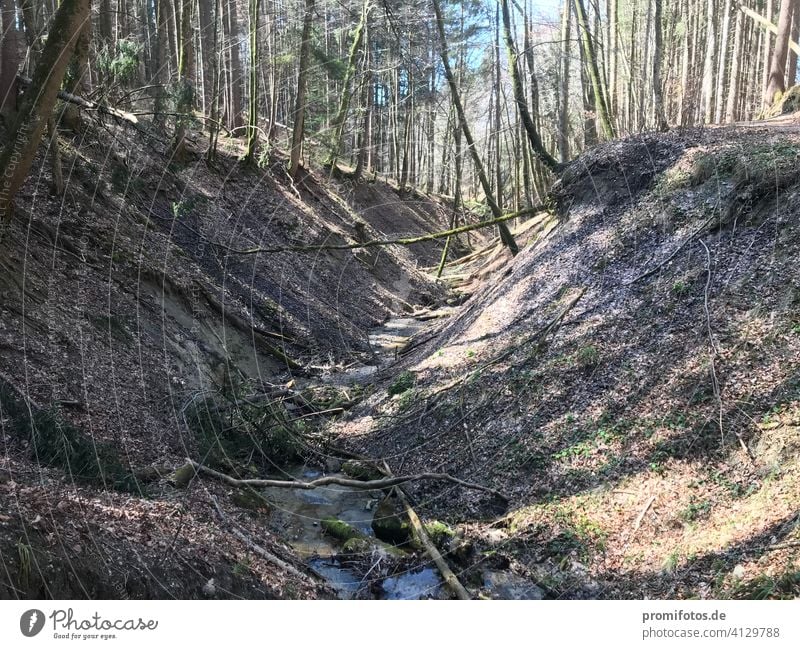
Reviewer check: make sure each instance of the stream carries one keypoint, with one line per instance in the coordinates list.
(299, 514)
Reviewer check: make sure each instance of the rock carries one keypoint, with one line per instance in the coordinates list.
(739, 571)
(183, 476)
(389, 524)
(507, 585)
(249, 498)
(357, 546)
(360, 470)
(461, 550)
(340, 530)
(333, 465)
(209, 588)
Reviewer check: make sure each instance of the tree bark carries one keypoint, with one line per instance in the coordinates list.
(252, 98)
(519, 95)
(505, 234)
(707, 96)
(302, 87)
(658, 51)
(9, 54)
(734, 82)
(776, 84)
(791, 68)
(594, 73)
(38, 101)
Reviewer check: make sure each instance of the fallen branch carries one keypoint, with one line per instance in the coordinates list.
(264, 553)
(86, 104)
(655, 269)
(642, 514)
(366, 485)
(402, 241)
(448, 575)
(713, 357)
(769, 25)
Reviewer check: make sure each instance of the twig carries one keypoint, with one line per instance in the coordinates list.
(266, 554)
(655, 269)
(713, 357)
(642, 514)
(365, 485)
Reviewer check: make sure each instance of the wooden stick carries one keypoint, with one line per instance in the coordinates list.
(448, 575)
(366, 485)
(266, 554)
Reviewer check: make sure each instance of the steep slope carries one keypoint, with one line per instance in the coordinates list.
(125, 310)
(631, 380)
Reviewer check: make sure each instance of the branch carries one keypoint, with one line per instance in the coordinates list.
(403, 241)
(768, 25)
(365, 485)
(265, 554)
(86, 104)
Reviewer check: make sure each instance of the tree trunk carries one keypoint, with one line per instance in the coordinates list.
(505, 234)
(791, 68)
(236, 104)
(519, 95)
(776, 85)
(734, 83)
(723, 62)
(300, 99)
(344, 100)
(707, 97)
(9, 55)
(658, 51)
(206, 23)
(185, 101)
(38, 101)
(252, 98)
(594, 73)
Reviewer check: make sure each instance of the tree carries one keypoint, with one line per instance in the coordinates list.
(563, 96)
(10, 60)
(38, 101)
(658, 52)
(252, 99)
(594, 73)
(344, 102)
(455, 96)
(776, 84)
(519, 95)
(185, 90)
(302, 88)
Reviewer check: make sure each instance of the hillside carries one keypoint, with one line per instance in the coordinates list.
(630, 381)
(125, 313)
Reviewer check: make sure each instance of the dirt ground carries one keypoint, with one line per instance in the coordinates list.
(630, 381)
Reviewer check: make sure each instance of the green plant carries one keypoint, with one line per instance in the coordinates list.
(783, 586)
(587, 356)
(231, 429)
(402, 382)
(121, 64)
(696, 509)
(680, 288)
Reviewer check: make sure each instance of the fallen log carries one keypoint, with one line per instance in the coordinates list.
(368, 485)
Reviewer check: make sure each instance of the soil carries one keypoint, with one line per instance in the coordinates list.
(630, 381)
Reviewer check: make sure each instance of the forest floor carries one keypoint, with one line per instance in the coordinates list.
(630, 380)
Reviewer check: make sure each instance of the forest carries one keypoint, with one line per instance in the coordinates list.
(369, 299)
